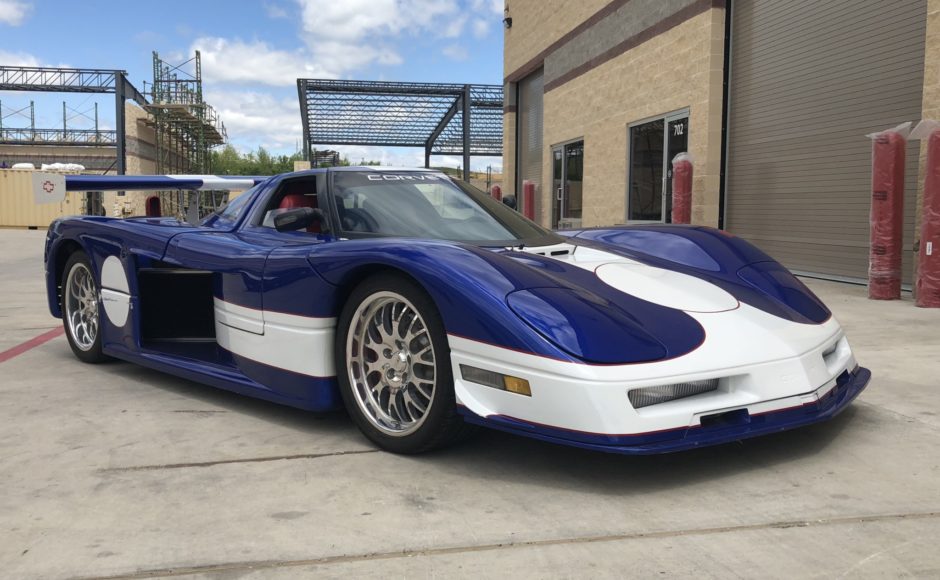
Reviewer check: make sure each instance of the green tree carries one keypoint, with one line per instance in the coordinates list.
(228, 161)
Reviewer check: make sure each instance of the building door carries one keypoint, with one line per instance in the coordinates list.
(653, 144)
(567, 181)
(808, 81)
(529, 136)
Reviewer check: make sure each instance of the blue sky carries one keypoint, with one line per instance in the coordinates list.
(252, 54)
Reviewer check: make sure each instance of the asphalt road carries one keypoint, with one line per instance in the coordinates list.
(121, 472)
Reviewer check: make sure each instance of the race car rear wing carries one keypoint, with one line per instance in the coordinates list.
(51, 187)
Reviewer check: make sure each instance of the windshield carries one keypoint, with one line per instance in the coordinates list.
(429, 205)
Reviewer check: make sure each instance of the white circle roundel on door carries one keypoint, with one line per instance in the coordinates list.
(115, 291)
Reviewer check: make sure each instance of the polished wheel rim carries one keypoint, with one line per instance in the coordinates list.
(81, 307)
(390, 359)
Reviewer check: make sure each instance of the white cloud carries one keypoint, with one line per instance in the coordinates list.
(453, 27)
(491, 6)
(356, 33)
(481, 27)
(353, 20)
(236, 61)
(14, 12)
(455, 52)
(257, 118)
(339, 58)
(18, 59)
(275, 10)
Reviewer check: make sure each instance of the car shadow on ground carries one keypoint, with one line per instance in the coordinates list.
(496, 456)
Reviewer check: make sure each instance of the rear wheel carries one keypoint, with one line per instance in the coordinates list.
(81, 309)
(393, 366)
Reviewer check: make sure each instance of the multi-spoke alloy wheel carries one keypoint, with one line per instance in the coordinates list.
(390, 360)
(80, 309)
(393, 366)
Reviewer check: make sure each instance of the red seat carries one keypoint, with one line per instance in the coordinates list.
(295, 200)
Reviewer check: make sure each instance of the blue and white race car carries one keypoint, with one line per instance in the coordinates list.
(425, 306)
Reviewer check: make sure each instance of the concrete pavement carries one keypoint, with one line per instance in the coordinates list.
(118, 471)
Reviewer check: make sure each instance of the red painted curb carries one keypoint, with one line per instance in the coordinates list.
(31, 343)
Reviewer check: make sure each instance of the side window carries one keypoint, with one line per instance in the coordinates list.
(291, 194)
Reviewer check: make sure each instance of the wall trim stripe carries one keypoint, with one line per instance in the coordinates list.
(660, 27)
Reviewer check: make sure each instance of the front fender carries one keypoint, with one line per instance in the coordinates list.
(468, 289)
(470, 286)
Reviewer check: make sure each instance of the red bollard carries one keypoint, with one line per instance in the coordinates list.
(928, 258)
(497, 193)
(682, 189)
(887, 214)
(528, 199)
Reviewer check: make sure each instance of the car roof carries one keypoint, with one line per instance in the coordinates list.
(321, 170)
(382, 168)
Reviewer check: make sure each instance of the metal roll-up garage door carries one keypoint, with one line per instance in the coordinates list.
(529, 140)
(808, 81)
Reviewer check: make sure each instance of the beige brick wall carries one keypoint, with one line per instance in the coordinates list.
(931, 103)
(681, 68)
(537, 24)
(137, 127)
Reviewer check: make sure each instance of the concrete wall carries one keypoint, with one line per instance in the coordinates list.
(610, 64)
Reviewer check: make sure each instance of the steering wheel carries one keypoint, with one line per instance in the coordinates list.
(356, 220)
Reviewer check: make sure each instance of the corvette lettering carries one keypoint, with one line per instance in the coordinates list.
(390, 177)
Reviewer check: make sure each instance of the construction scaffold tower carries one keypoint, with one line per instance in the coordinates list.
(186, 128)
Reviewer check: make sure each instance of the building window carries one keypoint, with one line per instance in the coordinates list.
(653, 144)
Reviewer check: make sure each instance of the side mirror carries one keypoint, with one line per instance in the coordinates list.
(298, 219)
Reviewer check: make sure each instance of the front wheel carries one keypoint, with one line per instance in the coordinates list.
(393, 366)
(81, 309)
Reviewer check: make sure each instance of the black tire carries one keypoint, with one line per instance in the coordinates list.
(441, 425)
(85, 350)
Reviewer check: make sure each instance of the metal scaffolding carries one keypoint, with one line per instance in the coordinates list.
(71, 80)
(185, 127)
(443, 119)
(324, 158)
(63, 137)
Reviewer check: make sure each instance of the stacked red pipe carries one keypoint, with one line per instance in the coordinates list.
(682, 189)
(887, 213)
(528, 199)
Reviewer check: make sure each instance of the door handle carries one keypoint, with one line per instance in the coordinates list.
(558, 195)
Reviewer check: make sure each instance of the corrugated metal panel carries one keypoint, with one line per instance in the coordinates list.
(17, 208)
(809, 80)
(529, 141)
